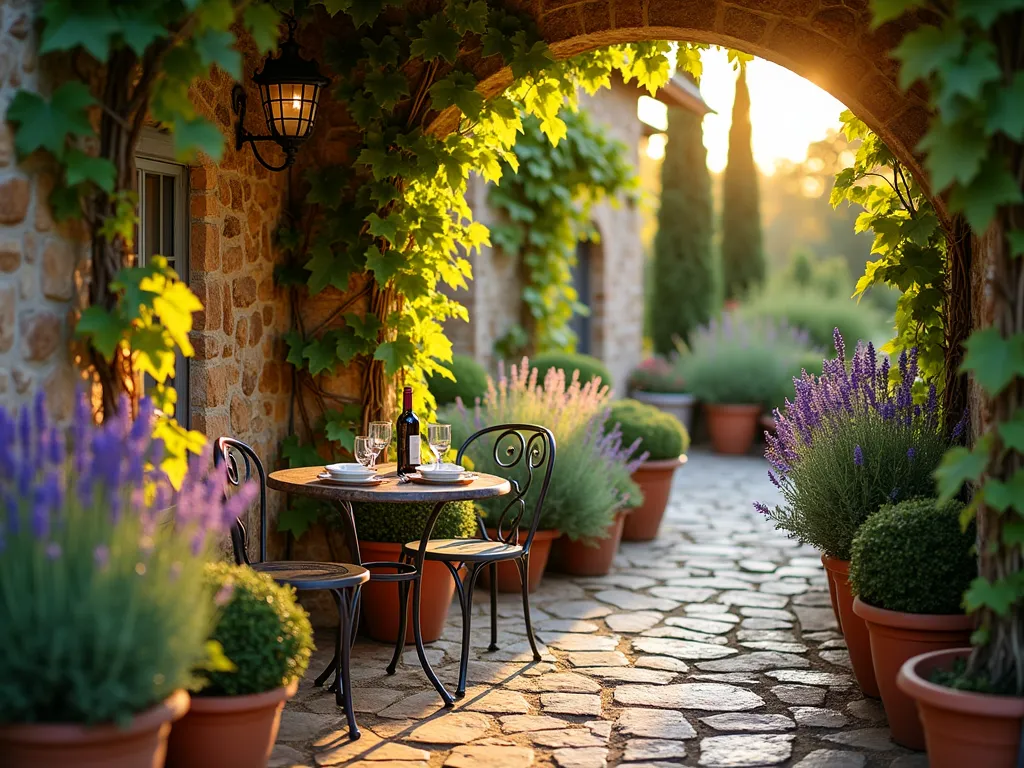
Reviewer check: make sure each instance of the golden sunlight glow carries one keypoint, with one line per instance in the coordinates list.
(656, 146)
(787, 112)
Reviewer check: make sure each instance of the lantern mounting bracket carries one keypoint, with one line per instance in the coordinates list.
(239, 101)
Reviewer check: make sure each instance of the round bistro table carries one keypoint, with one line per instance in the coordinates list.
(303, 481)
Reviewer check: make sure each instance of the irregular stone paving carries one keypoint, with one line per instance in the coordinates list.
(712, 646)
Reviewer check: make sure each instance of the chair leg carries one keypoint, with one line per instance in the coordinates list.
(523, 564)
(403, 623)
(494, 607)
(325, 675)
(467, 624)
(343, 695)
(421, 651)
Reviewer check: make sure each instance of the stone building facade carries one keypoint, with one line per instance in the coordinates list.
(609, 274)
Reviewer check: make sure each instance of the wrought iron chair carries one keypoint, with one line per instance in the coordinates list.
(532, 447)
(342, 580)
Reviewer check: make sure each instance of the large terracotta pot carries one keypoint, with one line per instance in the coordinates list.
(379, 599)
(590, 557)
(732, 427)
(142, 744)
(832, 594)
(855, 631)
(679, 405)
(962, 728)
(896, 637)
(508, 571)
(655, 480)
(228, 731)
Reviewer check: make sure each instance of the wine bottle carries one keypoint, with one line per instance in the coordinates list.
(408, 436)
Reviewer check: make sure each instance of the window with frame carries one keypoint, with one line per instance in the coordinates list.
(163, 231)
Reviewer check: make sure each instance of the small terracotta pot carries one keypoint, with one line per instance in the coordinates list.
(228, 731)
(732, 427)
(962, 728)
(655, 480)
(896, 637)
(508, 571)
(858, 643)
(832, 594)
(379, 599)
(142, 744)
(590, 557)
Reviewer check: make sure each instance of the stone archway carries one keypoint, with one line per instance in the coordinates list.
(830, 42)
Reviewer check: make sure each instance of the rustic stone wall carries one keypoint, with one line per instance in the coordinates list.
(37, 259)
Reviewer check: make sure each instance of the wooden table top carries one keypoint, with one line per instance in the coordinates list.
(303, 481)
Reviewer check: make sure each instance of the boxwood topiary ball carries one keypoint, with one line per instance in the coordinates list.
(263, 630)
(661, 434)
(470, 382)
(913, 557)
(401, 523)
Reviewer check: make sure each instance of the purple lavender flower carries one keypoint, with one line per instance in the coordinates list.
(894, 494)
(774, 479)
(53, 550)
(837, 339)
(762, 508)
(858, 456)
(911, 453)
(101, 556)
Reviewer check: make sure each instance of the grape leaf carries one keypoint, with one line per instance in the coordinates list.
(440, 40)
(365, 327)
(45, 124)
(103, 329)
(994, 186)
(264, 24)
(387, 88)
(321, 354)
(70, 25)
(459, 90)
(82, 167)
(960, 465)
(395, 355)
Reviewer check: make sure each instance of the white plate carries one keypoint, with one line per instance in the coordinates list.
(349, 469)
(442, 471)
(462, 476)
(326, 477)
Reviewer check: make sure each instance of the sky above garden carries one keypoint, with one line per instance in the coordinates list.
(787, 112)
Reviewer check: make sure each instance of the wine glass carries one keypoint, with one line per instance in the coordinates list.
(380, 436)
(439, 438)
(364, 451)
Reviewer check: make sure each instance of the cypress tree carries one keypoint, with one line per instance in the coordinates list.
(742, 252)
(685, 276)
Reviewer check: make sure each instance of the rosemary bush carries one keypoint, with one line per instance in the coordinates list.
(741, 361)
(264, 632)
(104, 610)
(914, 557)
(591, 476)
(849, 443)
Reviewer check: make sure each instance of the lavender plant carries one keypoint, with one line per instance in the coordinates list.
(738, 360)
(591, 475)
(104, 610)
(850, 442)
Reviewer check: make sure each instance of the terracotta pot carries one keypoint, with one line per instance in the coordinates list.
(590, 557)
(228, 731)
(858, 643)
(379, 599)
(508, 571)
(142, 744)
(896, 637)
(679, 404)
(655, 480)
(962, 728)
(832, 594)
(732, 427)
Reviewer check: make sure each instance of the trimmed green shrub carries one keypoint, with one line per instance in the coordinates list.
(914, 557)
(263, 630)
(401, 523)
(589, 367)
(656, 374)
(743, 266)
(470, 382)
(662, 436)
(686, 290)
(819, 315)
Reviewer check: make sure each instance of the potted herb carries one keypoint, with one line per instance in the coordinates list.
(736, 368)
(267, 637)
(590, 488)
(665, 441)
(660, 382)
(846, 445)
(384, 530)
(909, 566)
(105, 612)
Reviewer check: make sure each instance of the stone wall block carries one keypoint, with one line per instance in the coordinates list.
(59, 260)
(15, 194)
(41, 334)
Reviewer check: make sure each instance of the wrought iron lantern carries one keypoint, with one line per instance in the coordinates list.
(290, 88)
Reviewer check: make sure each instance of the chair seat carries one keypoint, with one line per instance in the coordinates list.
(467, 550)
(306, 574)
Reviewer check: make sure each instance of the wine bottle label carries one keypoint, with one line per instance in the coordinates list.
(414, 450)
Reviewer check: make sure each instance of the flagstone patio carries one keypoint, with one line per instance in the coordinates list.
(713, 646)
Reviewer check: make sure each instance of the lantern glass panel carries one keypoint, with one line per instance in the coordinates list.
(290, 108)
